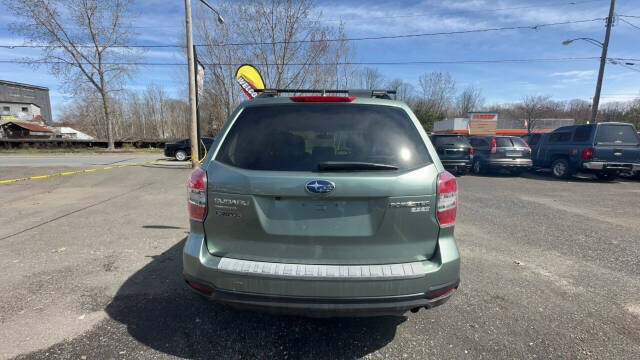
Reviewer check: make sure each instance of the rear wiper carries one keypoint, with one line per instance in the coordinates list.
(348, 166)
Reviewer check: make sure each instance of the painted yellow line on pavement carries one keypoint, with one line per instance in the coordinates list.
(37, 177)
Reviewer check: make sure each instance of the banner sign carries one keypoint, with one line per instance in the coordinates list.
(482, 127)
(199, 78)
(250, 80)
(483, 116)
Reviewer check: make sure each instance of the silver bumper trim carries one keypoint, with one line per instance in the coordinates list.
(599, 165)
(595, 165)
(323, 272)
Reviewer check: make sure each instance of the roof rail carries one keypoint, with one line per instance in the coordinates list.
(379, 94)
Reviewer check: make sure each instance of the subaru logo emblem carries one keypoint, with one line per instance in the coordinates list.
(320, 186)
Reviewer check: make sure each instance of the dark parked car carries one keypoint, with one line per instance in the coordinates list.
(181, 150)
(500, 153)
(455, 152)
(606, 149)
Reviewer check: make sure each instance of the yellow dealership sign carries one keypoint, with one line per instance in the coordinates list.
(250, 80)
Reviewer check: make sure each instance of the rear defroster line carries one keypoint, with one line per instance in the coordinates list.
(37, 177)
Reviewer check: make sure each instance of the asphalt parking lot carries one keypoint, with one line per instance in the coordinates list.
(90, 268)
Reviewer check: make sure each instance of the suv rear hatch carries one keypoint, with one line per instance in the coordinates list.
(617, 143)
(452, 147)
(322, 183)
(511, 147)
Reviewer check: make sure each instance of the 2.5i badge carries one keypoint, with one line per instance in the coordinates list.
(414, 206)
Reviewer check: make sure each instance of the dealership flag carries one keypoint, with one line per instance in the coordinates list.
(250, 80)
(199, 78)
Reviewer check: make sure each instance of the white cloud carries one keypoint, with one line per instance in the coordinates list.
(575, 73)
(618, 98)
(389, 18)
(574, 76)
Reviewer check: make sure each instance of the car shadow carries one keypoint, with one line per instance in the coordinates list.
(161, 313)
(495, 174)
(545, 174)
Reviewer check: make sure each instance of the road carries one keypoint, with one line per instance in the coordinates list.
(90, 266)
(75, 160)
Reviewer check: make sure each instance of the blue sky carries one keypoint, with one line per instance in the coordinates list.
(162, 22)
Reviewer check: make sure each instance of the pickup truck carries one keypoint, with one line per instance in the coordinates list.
(605, 149)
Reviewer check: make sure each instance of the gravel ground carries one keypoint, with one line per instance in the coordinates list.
(90, 268)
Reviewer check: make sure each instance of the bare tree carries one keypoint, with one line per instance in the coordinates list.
(633, 113)
(613, 111)
(275, 26)
(404, 90)
(579, 110)
(437, 90)
(370, 78)
(470, 99)
(84, 43)
(532, 108)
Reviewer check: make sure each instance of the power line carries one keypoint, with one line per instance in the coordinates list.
(630, 24)
(629, 16)
(381, 63)
(385, 37)
(629, 67)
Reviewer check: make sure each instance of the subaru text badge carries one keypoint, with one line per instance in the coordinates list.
(320, 186)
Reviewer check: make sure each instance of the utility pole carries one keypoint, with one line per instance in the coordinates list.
(193, 112)
(603, 61)
(193, 102)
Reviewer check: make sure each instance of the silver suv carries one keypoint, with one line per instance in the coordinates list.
(323, 206)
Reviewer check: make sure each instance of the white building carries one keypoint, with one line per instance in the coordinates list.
(71, 133)
(17, 111)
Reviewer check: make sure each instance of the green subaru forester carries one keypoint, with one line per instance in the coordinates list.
(323, 206)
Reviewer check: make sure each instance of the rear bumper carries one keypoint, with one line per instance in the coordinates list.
(307, 290)
(326, 307)
(510, 163)
(613, 166)
(456, 163)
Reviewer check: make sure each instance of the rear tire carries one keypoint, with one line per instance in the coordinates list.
(478, 168)
(181, 155)
(606, 176)
(516, 172)
(462, 172)
(560, 169)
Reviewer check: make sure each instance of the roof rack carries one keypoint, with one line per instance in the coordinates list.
(378, 94)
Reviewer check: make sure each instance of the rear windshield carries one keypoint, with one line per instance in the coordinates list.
(616, 134)
(450, 140)
(518, 142)
(298, 137)
(509, 142)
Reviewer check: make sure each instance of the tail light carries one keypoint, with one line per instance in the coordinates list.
(322, 98)
(440, 293)
(494, 146)
(471, 151)
(447, 201)
(587, 153)
(201, 288)
(197, 191)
